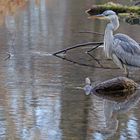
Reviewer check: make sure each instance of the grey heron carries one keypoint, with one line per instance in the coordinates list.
(121, 48)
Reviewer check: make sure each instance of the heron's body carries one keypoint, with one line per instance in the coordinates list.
(127, 50)
(122, 49)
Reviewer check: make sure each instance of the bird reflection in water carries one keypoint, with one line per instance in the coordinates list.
(104, 110)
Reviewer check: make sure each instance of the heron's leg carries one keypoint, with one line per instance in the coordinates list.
(117, 61)
(126, 72)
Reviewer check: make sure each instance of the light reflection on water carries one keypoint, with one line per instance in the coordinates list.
(39, 99)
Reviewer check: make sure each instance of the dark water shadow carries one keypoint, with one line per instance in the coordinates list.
(122, 102)
(133, 20)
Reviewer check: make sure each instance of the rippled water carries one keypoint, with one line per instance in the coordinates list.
(40, 95)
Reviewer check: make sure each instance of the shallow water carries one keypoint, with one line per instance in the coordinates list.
(40, 95)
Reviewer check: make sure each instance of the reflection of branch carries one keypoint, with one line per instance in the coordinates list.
(83, 64)
(95, 59)
(78, 46)
(93, 48)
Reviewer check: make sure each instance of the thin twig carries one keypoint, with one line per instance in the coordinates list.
(8, 56)
(78, 46)
(93, 48)
(91, 32)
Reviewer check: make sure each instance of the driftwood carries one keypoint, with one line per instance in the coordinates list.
(116, 84)
(119, 88)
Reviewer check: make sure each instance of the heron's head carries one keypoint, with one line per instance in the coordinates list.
(108, 14)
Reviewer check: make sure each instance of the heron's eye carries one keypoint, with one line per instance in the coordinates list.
(107, 15)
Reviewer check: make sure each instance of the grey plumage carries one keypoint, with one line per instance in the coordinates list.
(128, 44)
(127, 50)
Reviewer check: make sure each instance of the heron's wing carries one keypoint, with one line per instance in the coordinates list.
(128, 44)
(127, 50)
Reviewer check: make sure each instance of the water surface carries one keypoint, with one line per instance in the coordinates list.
(40, 98)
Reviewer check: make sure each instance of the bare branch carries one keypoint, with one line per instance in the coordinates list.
(93, 48)
(91, 32)
(78, 46)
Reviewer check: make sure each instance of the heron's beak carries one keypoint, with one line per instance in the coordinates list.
(99, 16)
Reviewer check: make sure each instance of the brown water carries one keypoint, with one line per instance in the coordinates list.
(40, 98)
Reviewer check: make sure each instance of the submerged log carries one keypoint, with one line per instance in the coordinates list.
(116, 84)
(118, 8)
(117, 89)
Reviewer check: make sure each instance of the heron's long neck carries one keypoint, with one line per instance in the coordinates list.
(108, 37)
(108, 41)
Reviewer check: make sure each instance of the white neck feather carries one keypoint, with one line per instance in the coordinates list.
(108, 37)
(108, 41)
